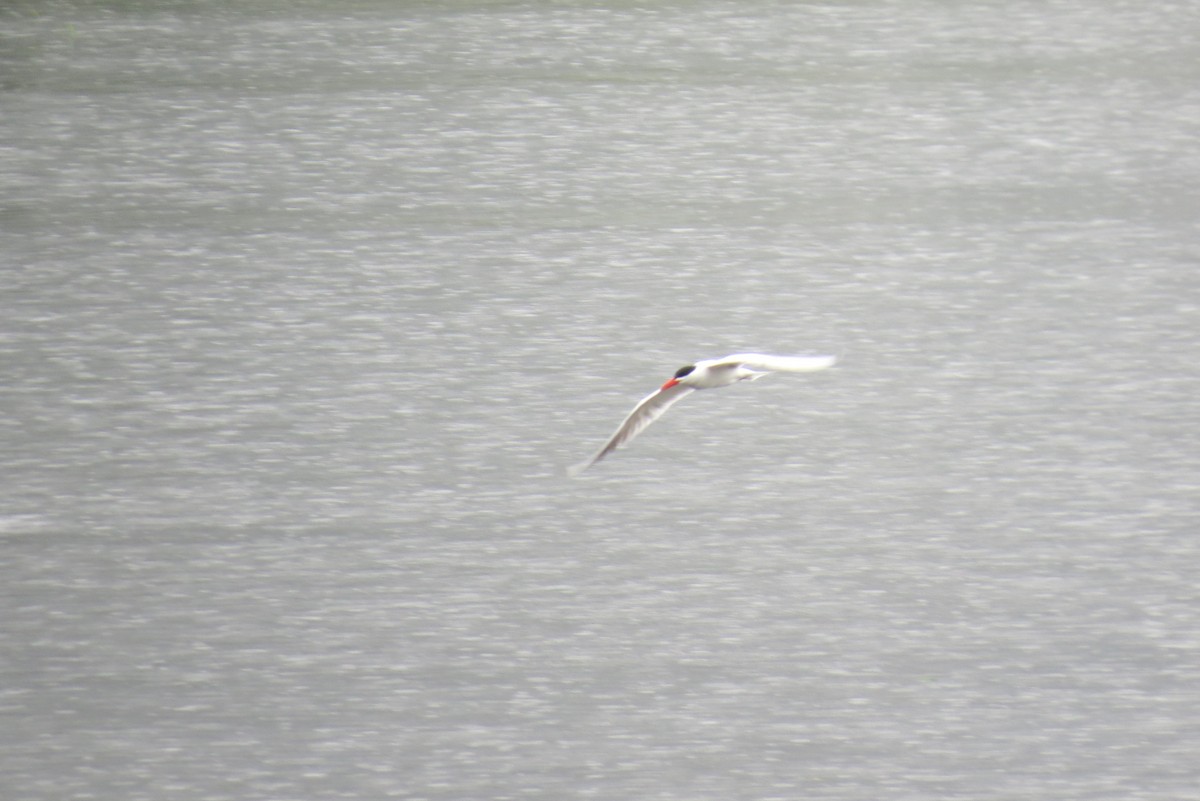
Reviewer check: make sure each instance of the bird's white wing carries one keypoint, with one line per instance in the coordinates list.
(651, 408)
(783, 364)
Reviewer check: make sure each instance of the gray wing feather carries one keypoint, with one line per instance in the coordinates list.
(784, 364)
(650, 408)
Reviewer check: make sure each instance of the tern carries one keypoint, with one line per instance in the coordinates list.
(706, 374)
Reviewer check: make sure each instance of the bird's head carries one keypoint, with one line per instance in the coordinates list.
(682, 372)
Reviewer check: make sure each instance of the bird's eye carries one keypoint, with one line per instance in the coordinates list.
(682, 371)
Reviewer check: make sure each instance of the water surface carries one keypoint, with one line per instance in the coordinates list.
(309, 306)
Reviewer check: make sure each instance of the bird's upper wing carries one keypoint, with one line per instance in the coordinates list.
(650, 409)
(785, 364)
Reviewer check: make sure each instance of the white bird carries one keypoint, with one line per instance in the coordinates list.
(702, 375)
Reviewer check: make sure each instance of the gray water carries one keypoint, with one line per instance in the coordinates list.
(308, 306)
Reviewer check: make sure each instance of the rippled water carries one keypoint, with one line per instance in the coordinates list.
(309, 306)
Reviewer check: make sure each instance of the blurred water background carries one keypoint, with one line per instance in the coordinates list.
(307, 306)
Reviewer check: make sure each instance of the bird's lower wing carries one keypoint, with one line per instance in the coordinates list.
(783, 364)
(650, 409)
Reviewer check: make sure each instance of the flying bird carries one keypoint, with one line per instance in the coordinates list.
(702, 375)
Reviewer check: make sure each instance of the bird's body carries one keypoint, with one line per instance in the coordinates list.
(707, 374)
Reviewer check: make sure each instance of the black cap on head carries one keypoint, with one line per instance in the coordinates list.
(682, 371)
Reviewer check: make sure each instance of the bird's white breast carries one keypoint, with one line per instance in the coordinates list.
(709, 376)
